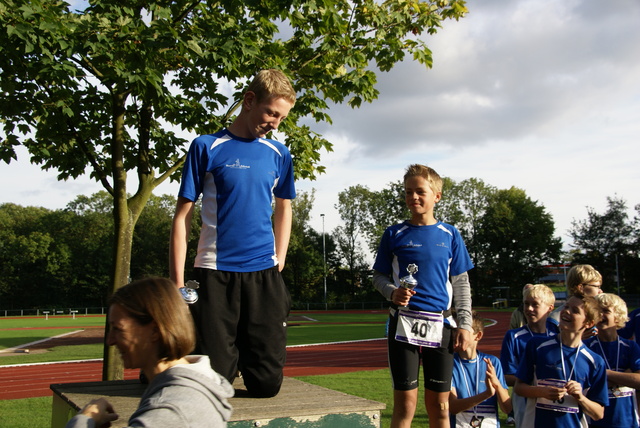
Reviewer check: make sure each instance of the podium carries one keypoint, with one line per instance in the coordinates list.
(299, 404)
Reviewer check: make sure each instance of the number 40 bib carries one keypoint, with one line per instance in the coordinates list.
(420, 328)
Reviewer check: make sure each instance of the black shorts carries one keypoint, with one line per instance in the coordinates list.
(241, 324)
(404, 361)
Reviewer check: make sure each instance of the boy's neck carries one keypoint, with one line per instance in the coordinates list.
(468, 354)
(572, 339)
(426, 219)
(608, 334)
(539, 326)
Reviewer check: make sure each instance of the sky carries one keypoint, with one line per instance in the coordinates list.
(543, 95)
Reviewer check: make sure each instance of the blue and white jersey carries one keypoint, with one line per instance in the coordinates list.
(469, 379)
(619, 355)
(515, 342)
(632, 328)
(512, 351)
(437, 250)
(237, 179)
(545, 360)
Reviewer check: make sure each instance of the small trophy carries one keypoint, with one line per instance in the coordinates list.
(409, 281)
(189, 293)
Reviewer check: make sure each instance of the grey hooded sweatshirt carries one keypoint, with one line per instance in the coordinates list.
(184, 396)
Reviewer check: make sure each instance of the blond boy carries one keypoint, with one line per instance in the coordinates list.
(583, 280)
(538, 301)
(564, 382)
(622, 357)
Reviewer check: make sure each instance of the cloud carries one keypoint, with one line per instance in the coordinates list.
(507, 71)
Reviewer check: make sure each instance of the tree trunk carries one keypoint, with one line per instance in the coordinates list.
(126, 212)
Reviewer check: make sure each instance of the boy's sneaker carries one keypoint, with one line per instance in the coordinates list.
(510, 421)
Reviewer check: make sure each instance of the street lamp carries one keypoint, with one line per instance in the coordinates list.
(324, 264)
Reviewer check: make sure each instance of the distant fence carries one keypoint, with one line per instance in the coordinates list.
(41, 312)
(297, 306)
(633, 301)
(338, 306)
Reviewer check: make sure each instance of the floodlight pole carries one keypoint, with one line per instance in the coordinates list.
(324, 264)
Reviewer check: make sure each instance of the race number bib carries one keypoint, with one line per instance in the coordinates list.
(483, 417)
(621, 391)
(420, 328)
(566, 404)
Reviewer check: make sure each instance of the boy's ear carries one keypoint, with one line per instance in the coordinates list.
(249, 98)
(479, 335)
(438, 196)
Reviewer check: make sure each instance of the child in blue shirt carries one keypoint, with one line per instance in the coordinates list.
(478, 386)
(631, 329)
(622, 358)
(538, 301)
(420, 322)
(564, 381)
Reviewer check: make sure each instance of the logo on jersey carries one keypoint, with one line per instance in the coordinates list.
(237, 165)
(412, 245)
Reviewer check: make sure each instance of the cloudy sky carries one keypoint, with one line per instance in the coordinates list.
(543, 95)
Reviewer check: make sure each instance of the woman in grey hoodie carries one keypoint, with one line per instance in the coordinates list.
(150, 325)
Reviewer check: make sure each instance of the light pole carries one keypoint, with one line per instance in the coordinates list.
(324, 264)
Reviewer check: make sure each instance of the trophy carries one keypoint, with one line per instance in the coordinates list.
(189, 293)
(409, 281)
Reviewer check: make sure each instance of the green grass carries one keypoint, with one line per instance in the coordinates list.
(19, 331)
(333, 333)
(40, 322)
(59, 353)
(26, 413)
(318, 328)
(11, 338)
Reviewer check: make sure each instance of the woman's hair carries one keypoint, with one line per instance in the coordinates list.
(617, 306)
(272, 83)
(158, 299)
(429, 174)
(581, 274)
(542, 292)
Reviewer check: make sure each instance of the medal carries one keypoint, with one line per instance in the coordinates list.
(476, 421)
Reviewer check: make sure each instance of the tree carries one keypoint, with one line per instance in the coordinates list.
(108, 88)
(515, 239)
(303, 270)
(150, 243)
(53, 258)
(27, 254)
(463, 205)
(352, 207)
(384, 208)
(609, 242)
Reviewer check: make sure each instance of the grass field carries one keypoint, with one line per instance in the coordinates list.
(314, 328)
(304, 328)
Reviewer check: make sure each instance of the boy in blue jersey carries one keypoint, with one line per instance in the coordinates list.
(622, 358)
(538, 301)
(478, 386)
(584, 280)
(631, 329)
(564, 382)
(420, 325)
(243, 304)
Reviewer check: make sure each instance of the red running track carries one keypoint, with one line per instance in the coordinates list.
(18, 382)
